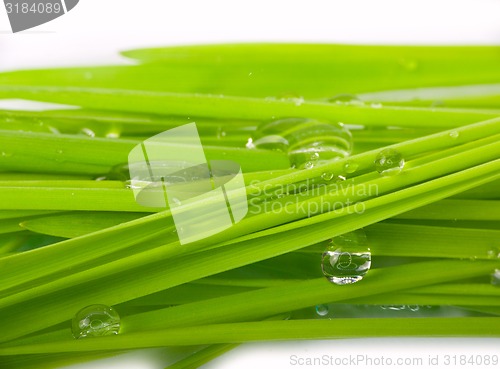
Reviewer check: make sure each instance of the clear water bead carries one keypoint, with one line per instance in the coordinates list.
(389, 162)
(347, 259)
(95, 321)
(454, 134)
(322, 310)
(495, 278)
(308, 142)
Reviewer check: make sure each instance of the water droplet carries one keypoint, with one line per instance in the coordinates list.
(347, 259)
(305, 140)
(350, 167)
(249, 74)
(250, 144)
(414, 307)
(494, 253)
(393, 307)
(376, 105)
(322, 310)
(94, 321)
(346, 99)
(113, 134)
(454, 134)
(495, 278)
(53, 130)
(327, 176)
(88, 132)
(309, 165)
(389, 162)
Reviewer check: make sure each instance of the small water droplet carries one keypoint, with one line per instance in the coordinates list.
(350, 167)
(414, 307)
(88, 132)
(495, 278)
(322, 310)
(309, 165)
(347, 259)
(327, 176)
(250, 144)
(389, 162)
(95, 321)
(113, 134)
(346, 99)
(103, 178)
(376, 105)
(249, 74)
(494, 253)
(454, 134)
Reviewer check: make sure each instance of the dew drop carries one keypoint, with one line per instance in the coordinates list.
(113, 134)
(347, 259)
(250, 144)
(350, 167)
(305, 140)
(389, 162)
(322, 310)
(103, 178)
(376, 105)
(88, 132)
(495, 278)
(346, 99)
(454, 134)
(327, 176)
(494, 253)
(95, 321)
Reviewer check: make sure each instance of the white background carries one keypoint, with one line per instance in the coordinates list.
(95, 30)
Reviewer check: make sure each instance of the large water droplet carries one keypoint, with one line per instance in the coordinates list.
(322, 310)
(347, 259)
(308, 142)
(454, 134)
(495, 278)
(94, 321)
(389, 162)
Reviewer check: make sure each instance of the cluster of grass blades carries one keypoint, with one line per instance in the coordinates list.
(72, 234)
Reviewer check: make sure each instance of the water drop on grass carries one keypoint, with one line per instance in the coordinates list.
(376, 105)
(350, 167)
(308, 142)
(322, 310)
(454, 134)
(389, 162)
(346, 99)
(327, 176)
(95, 321)
(495, 278)
(88, 132)
(347, 259)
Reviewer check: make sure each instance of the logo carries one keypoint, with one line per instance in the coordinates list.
(26, 14)
(170, 170)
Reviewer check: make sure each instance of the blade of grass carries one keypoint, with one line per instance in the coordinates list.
(280, 330)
